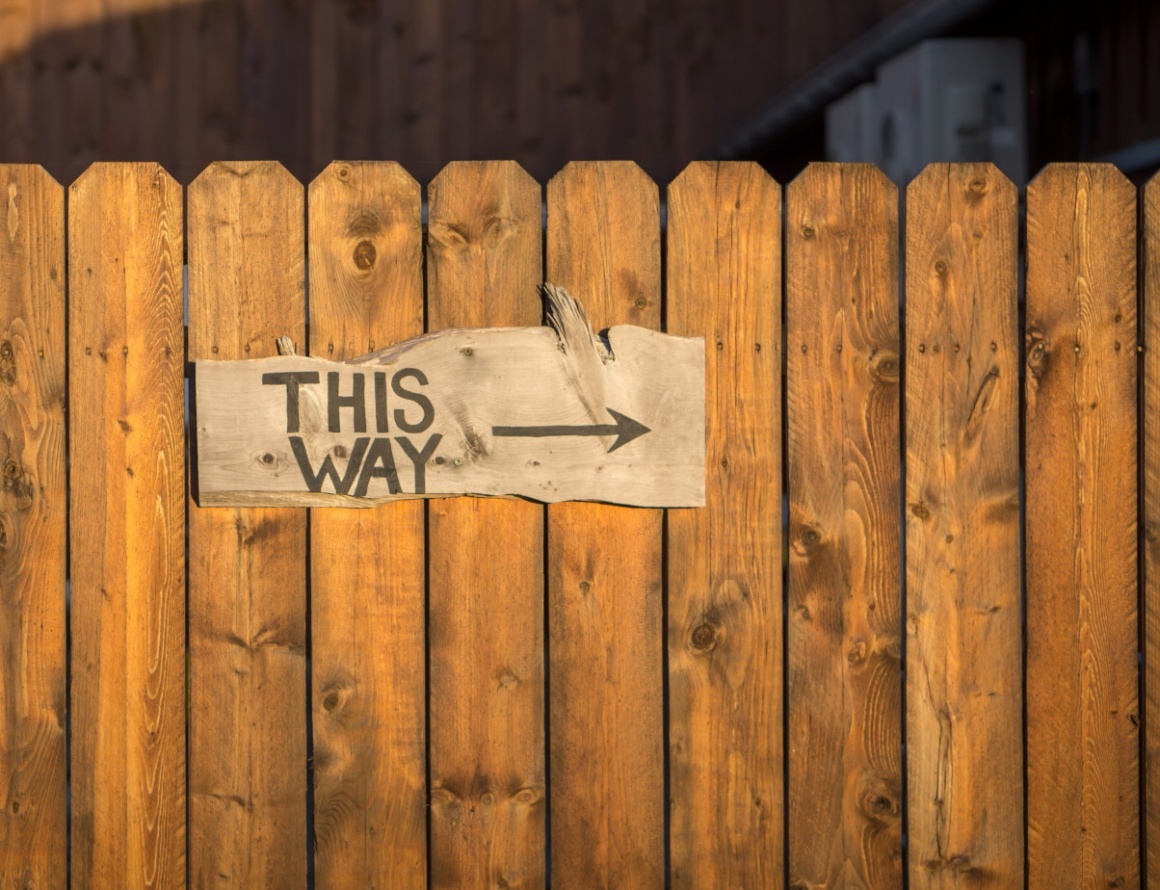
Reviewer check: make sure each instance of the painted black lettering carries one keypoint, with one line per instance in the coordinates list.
(417, 397)
(379, 462)
(291, 380)
(356, 401)
(314, 480)
(420, 458)
(381, 402)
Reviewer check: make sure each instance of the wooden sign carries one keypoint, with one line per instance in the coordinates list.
(551, 413)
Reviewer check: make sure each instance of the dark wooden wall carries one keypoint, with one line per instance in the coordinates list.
(1093, 74)
(186, 82)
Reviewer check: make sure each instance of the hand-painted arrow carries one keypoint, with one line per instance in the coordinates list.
(625, 429)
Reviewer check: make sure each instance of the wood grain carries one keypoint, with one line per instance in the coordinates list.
(1150, 422)
(247, 567)
(127, 528)
(486, 594)
(1080, 435)
(964, 709)
(33, 512)
(842, 391)
(604, 572)
(367, 567)
(724, 561)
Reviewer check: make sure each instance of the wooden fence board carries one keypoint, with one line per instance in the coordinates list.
(367, 566)
(964, 709)
(604, 572)
(127, 526)
(486, 599)
(247, 566)
(724, 561)
(33, 792)
(1150, 421)
(1082, 780)
(842, 391)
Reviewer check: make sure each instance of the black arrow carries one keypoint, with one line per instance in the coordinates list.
(625, 429)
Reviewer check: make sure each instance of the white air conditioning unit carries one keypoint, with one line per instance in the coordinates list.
(942, 101)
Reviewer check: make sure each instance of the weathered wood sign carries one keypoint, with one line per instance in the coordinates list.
(550, 413)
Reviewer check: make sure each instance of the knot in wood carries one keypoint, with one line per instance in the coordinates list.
(878, 804)
(365, 255)
(1036, 353)
(704, 636)
(8, 363)
(884, 367)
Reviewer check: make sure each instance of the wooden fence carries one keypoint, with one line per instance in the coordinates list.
(944, 690)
